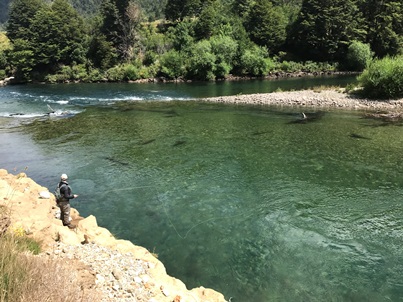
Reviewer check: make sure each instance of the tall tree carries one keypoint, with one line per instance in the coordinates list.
(385, 26)
(266, 25)
(120, 21)
(179, 9)
(58, 34)
(325, 28)
(21, 15)
(211, 19)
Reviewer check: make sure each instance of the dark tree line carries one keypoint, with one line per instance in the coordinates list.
(196, 39)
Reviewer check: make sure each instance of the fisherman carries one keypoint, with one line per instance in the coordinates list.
(64, 202)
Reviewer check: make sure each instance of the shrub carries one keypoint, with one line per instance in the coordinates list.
(172, 64)
(358, 56)
(383, 78)
(115, 74)
(202, 63)
(94, 75)
(253, 62)
(131, 72)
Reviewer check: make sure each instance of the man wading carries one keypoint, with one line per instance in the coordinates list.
(64, 201)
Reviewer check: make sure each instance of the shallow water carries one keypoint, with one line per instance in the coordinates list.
(244, 200)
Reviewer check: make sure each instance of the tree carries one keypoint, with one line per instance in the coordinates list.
(211, 19)
(120, 21)
(384, 20)
(57, 35)
(325, 28)
(22, 13)
(358, 56)
(202, 62)
(177, 10)
(266, 25)
(22, 59)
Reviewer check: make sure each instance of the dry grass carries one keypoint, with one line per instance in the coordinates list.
(27, 277)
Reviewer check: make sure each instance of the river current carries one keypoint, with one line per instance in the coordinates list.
(246, 200)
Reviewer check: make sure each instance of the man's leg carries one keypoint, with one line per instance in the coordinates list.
(65, 212)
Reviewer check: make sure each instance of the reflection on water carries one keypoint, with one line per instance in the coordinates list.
(240, 199)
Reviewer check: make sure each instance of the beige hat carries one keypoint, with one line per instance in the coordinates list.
(63, 177)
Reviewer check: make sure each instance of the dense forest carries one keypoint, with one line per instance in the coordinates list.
(118, 40)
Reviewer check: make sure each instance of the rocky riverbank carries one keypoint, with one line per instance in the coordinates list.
(117, 269)
(323, 99)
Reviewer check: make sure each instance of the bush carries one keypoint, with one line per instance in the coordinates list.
(116, 73)
(254, 63)
(202, 63)
(131, 72)
(172, 65)
(358, 56)
(383, 78)
(94, 75)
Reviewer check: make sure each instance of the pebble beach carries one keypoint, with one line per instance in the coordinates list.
(323, 99)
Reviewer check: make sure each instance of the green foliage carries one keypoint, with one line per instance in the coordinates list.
(3, 60)
(64, 34)
(181, 35)
(324, 29)
(358, 56)
(154, 10)
(116, 73)
(254, 62)
(22, 14)
(22, 58)
(210, 20)
(383, 78)
(202, 62)
(224, 47)
(86, 7)
(206, 40)
(179, 9)
(131, 72)
(266, 25)
(153, 41)
(68, 73)
(102, 53)
(120, 22)
(384, 20)
(172, 65)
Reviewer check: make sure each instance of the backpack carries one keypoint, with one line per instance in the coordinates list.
(58, 195)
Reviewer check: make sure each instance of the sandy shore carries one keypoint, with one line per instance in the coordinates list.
(324, 99)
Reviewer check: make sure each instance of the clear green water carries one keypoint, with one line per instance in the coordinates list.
(241, 199)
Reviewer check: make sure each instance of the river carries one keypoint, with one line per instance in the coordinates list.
(245, 200)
